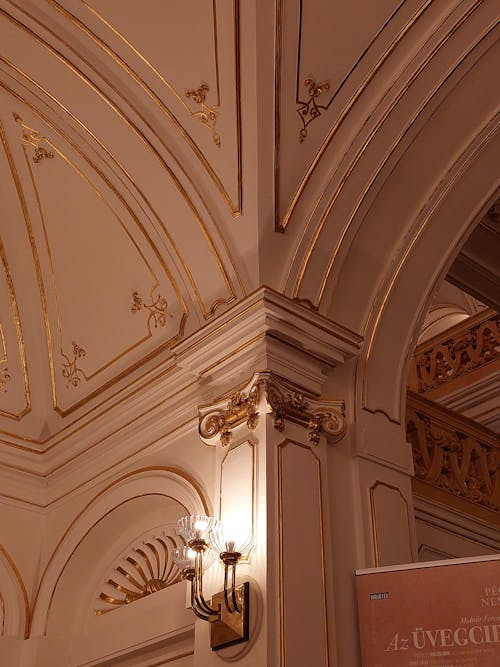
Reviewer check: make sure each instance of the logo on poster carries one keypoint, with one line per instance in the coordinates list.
(380, 596)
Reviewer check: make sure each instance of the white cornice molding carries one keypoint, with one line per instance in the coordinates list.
(265, 331)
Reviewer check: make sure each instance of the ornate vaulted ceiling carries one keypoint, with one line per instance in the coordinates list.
(157, 158)
(109, 251)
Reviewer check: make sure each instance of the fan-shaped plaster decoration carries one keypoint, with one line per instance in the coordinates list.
(144, 569)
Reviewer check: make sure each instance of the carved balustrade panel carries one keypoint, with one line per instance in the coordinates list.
(457, 352)
(454, 453)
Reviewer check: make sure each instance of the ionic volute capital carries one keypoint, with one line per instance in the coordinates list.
(266, 393)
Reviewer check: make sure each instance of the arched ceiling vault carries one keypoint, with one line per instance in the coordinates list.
(157, 158)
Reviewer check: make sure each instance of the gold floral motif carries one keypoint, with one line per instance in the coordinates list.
(157, 309)
(240, 407)
(207, 115)
(147, 569)
(458, 352)
(266, 394)
(4, 379)
(71, 372)
(451, 455)
(32, 138)
(310, 110)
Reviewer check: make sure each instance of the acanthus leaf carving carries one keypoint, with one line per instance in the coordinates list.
(267, 394)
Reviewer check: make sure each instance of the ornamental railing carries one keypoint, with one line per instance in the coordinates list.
(458, 351)
(452, 453)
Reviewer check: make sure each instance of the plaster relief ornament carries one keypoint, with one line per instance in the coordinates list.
(267, 394)
(4, 379)
(157, 309)
(70, 370)
(146, 569)
(207, 115)
(32, 137)
(310, 110)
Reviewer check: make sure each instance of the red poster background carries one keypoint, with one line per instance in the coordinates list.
(443, 614)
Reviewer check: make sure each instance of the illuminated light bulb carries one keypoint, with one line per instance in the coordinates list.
(231, 539)
(200, 525)
(195, 527)
(184, 558)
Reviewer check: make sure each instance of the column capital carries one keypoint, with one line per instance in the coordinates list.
(267, 393)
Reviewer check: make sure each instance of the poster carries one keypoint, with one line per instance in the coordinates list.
(437, 614)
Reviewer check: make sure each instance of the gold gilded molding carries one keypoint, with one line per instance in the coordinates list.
(253, 501)
(207, 311)
(310, 109)
(138, 132)
(268, 394)
(453, 453)
(458, 351)
(234, 207)
(240, 407)
(280, 449)
(72, 375)
(70, 370)
(10, 285)
(4, 379)
(168, 469)
(479, 142)
(22, 587)
(207, 115)
(33, 138)
(281, 222)
(336, 194)
(157, 309)
(146, 569)
(374, 517)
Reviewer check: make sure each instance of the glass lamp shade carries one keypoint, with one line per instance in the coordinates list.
(229, 539)
(184, 558)
(195, 527)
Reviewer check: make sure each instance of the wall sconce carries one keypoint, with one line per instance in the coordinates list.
(228, 611)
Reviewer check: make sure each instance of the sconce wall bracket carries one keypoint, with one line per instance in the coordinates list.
(230, 628)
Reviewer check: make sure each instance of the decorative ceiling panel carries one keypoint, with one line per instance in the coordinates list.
(113, 143)
(185, 58)
(15, 401)
(104, 289)
(326, 57)
(114, 116)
